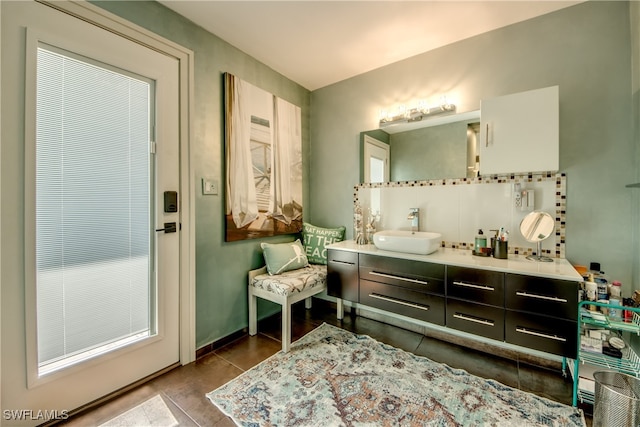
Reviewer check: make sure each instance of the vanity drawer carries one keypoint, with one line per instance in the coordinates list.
(543, 333)
(476, 319)
(416, 275)
(342, 274)
(551, 297)
(486, 287)
(406, 302)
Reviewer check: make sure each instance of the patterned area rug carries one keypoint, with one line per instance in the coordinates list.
(332, 377)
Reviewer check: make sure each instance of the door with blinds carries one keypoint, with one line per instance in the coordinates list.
(101, 213)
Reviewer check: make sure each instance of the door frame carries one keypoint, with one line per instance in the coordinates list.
(104, 19)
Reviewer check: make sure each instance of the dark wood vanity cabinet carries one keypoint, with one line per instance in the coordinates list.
(543, 333)
(550, 297)
(471, 284)
(417, 275)
(541, 313)
(342, 274)
(404, 301)
(529, 311)
(477, 319)
(475, 301)
(410, 288)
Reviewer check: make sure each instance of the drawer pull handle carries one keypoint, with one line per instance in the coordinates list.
(538, 334)
(406, 279)
(471, 285)
(399, 301)
(528, 295)
(342, 262)
(474, 319)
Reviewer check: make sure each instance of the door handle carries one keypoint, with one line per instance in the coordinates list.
(474, 319)
(528, 295)
(539, 334)
(470, 285)
(336, 261)
(399, 301)
(393, 276)
(486, 136)
(169, 227)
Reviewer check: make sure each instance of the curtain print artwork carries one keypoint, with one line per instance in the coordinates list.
(263, 150)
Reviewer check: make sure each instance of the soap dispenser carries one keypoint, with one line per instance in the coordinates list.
(481, 242)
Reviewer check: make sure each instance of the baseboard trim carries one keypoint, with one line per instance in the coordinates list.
(221, 342)
(109, 397)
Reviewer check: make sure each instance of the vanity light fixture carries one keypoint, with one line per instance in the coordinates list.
(415, 114)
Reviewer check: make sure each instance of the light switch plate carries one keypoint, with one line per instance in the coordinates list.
(209, 186)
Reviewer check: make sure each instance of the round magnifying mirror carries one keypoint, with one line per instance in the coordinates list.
(536, 227)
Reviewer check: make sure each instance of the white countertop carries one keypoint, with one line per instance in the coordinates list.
(560, 268)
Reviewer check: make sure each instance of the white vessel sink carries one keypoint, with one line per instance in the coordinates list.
(418, 242)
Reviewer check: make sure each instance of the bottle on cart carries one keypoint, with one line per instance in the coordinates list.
(591, 290)
(598, 274)
(615, 289)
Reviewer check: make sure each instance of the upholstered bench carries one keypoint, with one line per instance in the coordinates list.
(293, 272)
(285, 289)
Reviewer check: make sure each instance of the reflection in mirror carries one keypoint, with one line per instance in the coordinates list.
(536, 227)
(440, 148)
(376, 165)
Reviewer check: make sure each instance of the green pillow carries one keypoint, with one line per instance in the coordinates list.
(316, 238)
(281, 257)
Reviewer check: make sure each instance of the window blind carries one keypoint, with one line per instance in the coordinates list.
(93, 194)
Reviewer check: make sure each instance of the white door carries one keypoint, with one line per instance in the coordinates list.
(376, 160)
(101, 149)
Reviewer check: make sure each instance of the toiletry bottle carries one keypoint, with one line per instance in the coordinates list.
(598, 274)
(481, 241)
(615, 310)
(615, 289)
(591, 290)
(603, 290)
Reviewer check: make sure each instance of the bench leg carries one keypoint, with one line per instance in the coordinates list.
(340, 309)
(286, 326)
(307, 303)
(253, 314)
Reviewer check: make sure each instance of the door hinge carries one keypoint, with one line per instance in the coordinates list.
(152, 147)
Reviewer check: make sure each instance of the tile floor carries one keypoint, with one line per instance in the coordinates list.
(183, 389)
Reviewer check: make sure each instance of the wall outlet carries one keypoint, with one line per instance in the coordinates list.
(524, 200)
(518, 199)
(209, 186)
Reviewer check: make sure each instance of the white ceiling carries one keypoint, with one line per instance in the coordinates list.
(317, 43)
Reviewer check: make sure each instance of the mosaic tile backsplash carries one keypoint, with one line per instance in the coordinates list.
(457, 208)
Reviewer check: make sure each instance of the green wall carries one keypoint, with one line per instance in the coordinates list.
(635, 79)
(585, 49)
(221, 268)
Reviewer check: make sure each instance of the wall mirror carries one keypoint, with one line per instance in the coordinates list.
(536, 227)
(436, 148)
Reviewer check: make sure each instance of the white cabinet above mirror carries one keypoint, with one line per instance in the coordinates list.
(519, 133)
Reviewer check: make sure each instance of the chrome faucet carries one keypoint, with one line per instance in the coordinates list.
(414, 216)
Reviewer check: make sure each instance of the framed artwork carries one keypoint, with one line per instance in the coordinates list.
(263, 159)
